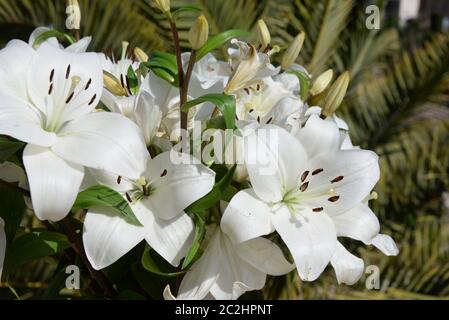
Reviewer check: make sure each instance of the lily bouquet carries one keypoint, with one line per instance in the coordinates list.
(222, 172)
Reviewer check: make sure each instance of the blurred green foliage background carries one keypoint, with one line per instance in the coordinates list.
(397, 105)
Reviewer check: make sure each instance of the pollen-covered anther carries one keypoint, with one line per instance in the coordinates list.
(304, 175)
(93, 99)
(304, 186)
(52, 74)
(317, 171)
(142, 181)
(318, 209)
(67, 72)
(333, 198)
(337, 179)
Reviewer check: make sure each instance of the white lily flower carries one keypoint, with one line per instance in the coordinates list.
(158, 199)
(300, 185)
(77, 47)
(47, 100)
(248, 66)
(226, 270)
(2, 245)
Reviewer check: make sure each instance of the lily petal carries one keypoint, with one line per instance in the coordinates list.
(16, 58)
(79, 46)
(107, 236)
(246, 217)
(105, 141)
(386, 244)
(198, 282)
(275, 160)
(359, 223)
(54, 182)
(319, 136)
(179, 180)
(21, 121)
(170, 238)
(348, 174)
(348, 268)
(310, 237)
(264, 255)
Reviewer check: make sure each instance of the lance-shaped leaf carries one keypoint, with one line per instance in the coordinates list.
(103, 196)
(186, 9)
(8, 147)
(199, 236)
(164, 65)
(225, 103)
(218, 40)
(304, 83)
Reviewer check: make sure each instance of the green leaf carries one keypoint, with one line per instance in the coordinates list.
(218, 40)
(132, 82)
(52, 34)
(150, 264)
(304, 82)
(186, 9)
(9, 147)
(163, 65)
(104, 196)
(12, 209)
(35, 245)
(213, 196)
(225, 103)
(199, 235)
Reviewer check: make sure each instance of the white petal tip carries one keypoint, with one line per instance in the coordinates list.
(167, 293)
(385, 244)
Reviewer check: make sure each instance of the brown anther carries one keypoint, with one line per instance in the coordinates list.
(128, 197)
(88, 84)
(304, 186)
(258, 119)
(122, 82)
(258, 87)
(304, 175)
(246, 90)
(337, 179)
(333, 199)
(92, 100)
(318, 209)
(50, 89)
(70, 97)
(317, 171)
(164, 173)
(67, 72)
(269, 120)
(251, 110)
(52, 74)
(119, 179)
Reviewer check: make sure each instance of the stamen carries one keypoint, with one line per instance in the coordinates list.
(67, 73)
(92, 100)
(333, 199)
(70, 97)
(52, 74)
(121, 81)
(337, 179)
(88, 84)
(258, 119)
(315, 172)
(50, 89)
(164, 173)
(318, 209)
(236, 118)
(251, 110)
(119, 179)
(269, 120)
(128, 197)
(258, 87)
(304, 186)
(304, 175)
(246, 90)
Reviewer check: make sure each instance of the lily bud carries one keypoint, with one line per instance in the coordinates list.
(293, 51)
(336, 94)
(163, 5)
(140, 55)
(73, 12)
(245, 72)
(322, 82)
(199, 33)
(263, 34)
(113, 84)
